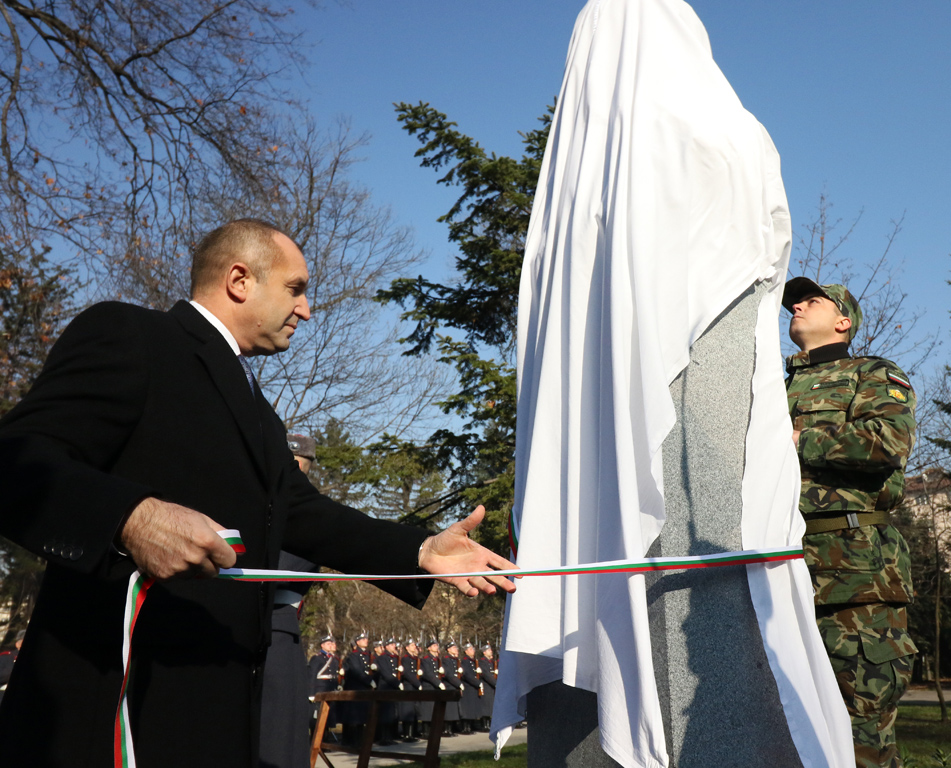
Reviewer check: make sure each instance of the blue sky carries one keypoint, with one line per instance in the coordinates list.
(855, 93)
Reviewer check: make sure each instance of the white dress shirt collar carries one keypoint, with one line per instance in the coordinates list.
(206, 313)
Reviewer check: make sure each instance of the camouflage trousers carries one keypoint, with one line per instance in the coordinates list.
(872, 656)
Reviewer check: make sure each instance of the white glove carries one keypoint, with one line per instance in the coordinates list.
(419, 673)
(401, 686)
(442, 671)
(478, 670)
(373, 683)
(442, 686)
(399, 668)
(373, 667)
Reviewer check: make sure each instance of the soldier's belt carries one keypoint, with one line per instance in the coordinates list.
(848, 520)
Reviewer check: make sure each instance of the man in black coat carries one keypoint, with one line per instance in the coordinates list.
(107, 467)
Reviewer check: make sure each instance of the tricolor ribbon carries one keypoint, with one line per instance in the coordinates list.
(139, 585)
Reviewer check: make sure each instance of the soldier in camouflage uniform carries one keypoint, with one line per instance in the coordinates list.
(854, 426)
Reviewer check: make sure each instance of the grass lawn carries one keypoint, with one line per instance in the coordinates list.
(921, 734)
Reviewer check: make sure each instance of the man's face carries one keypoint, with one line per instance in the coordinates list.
(470, 652)
(412, 650)
(434, 649)
(303, 463)
(329, 646)
(453, 651)
(275, 306)
(487, 653)
(813, 322)
(391, 648)
(362, 643)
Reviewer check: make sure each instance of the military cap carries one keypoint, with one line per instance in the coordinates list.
(327, 639)
(848, 305)
(452, 643)
(409, 641)
(303, 446)
(467, 646)
(392, 641)
(361, 636)
(432, 641)
(487, 647)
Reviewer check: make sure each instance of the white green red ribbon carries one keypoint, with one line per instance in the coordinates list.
(123, 756)
(746, 557)
(139, 585)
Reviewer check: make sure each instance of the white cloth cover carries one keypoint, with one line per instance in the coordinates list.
(659, 202)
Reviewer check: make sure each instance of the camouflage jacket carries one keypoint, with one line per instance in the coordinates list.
(856, 418)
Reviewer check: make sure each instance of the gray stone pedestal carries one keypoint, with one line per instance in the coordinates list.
(719, 700)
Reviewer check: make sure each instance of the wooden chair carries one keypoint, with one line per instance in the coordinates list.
(366, 751)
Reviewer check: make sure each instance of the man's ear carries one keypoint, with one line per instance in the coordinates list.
(238, 282)
(843, 324)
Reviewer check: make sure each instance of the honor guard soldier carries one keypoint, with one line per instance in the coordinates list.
(388, 679)
(431, 680)
(358, 676)
(470, 705)
(411, 673)
(489, 671)
(286, 709)
(853, 427)
(452, 679)
(325, 675)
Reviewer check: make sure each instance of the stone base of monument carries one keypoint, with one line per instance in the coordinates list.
(719, 699)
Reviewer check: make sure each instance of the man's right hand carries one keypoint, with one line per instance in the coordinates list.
(168, 541)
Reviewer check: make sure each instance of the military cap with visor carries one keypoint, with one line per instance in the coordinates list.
(800, 287)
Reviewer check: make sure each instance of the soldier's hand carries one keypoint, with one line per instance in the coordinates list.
(167, 541)
(452, 551)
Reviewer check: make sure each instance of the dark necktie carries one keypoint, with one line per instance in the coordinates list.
(247, 371)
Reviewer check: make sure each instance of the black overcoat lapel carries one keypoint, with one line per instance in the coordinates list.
(228, 377)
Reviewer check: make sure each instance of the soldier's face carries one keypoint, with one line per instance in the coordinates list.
(814, 322)
(363, 643)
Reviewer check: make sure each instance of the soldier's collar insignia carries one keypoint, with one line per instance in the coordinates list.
(897, 394)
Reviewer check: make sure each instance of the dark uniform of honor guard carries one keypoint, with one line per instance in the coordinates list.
(286, 710)
(411, 672)
(324, 672)
(451, 677)
(431, 679)
(470, 705)
(389, 678)
(854, 426)
(489, 675)
(357, 676)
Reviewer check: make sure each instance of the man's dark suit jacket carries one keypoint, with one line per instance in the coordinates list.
(135, 403)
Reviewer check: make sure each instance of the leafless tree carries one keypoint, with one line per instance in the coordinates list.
(890, 326)
(118, 113)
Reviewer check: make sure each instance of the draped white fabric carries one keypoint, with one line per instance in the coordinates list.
(659, 202)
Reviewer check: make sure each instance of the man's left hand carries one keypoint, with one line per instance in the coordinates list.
(452, 551)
